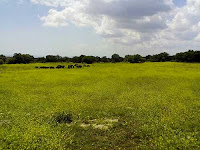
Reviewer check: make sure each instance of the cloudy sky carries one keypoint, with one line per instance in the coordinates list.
(99, 27)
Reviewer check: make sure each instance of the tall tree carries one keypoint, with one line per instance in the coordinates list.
(115, 58)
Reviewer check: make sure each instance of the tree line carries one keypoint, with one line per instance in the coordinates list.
(18, 58)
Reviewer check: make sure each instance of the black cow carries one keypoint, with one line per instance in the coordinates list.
(86, 65)
(36, 67)
(70, 66)
(79, 66)
(76, 65)
(43, 67)
(60, 66)
(52, 67)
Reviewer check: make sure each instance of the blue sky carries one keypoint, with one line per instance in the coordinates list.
(180, 3)
(23, 30)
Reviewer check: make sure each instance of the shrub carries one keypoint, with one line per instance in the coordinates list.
(1, 62)
(3, 58)
(62, 117)
(135, 59)
(89, 59)
(116, 58)
(11, 61)
(104, 59)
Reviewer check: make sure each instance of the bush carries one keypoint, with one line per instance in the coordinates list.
(116, 58)
(1, 62)
(190, 56)
(104, 59)
(41, 59)
(162, 57)
(11, 61)
(19, 58)
(62, 117)
(3, 57)
(52, 58)
(89, 59)
(77, 59)
(135, 58)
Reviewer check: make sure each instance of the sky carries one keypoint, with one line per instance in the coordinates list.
(98, 27)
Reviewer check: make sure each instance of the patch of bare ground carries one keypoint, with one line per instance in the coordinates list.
(102, 124)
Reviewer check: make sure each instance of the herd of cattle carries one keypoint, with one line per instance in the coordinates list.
(62, 67)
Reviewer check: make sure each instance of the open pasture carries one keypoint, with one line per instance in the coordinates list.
(106, 106)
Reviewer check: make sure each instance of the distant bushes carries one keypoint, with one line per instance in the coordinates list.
(57, 58)
(190, 56)
(89, 59)
(2, 59)
(116, 58)
(18, 58)
(105, 59)
(134, 58)
(162, 57)
(1, 62)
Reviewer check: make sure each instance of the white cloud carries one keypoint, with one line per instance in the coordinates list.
(144, 24)
(57, 19)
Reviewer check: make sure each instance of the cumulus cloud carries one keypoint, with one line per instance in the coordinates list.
(55, 19)
(144, 23)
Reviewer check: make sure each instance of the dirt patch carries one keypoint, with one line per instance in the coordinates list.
(102, 124)
(112, 120)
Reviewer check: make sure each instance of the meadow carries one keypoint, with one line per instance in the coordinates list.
(111, 105)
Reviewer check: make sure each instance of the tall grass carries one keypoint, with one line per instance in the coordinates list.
(157, 105)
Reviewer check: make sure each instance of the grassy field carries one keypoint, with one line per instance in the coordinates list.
(113, 106)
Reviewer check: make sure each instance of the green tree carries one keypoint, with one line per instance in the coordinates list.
(89, 59)
(18, 58)
(77, 59)
(98, 59)
(41, 59)
(135, 58)
(3, 58)
(115, 58)
(162, 57)
(104, 59)
(189, 56)
(27, 58)
(1, 62)
(53, 58)
(65, 59)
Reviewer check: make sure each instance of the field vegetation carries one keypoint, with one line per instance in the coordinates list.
(190, 56)
(106, 106)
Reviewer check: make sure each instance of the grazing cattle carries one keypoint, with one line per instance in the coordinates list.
(86, 65)
(43, 67)
(70, 66)
(79, 66)
(76, 65)
(52, 67)
(36, 67)
(60, 66)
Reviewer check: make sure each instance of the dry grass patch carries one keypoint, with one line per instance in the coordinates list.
(102, 124)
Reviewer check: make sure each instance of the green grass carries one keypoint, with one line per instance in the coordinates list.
(157, 106)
